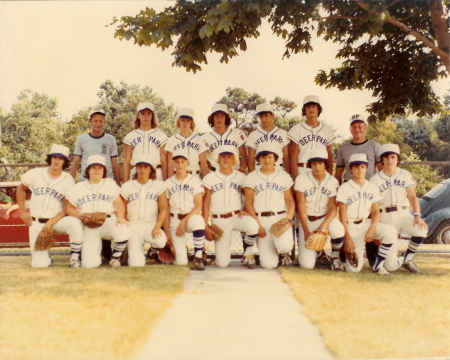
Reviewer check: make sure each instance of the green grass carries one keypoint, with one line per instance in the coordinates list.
(367, 316)
(62, 313)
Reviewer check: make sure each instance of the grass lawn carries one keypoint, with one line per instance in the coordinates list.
(62, 313)
(367, 316)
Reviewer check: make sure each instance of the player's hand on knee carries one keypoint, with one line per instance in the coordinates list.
(262, 231)
(306, 234)
(419, 223)
(243, 213)
(370, 233)
(349, 245)
(156, 232)
(180, 230)
(122, 221)
(47, 229)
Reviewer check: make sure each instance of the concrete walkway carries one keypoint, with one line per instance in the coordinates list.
(235, 313)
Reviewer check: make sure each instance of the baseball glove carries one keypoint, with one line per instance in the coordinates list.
(316, 240)
(352, 258)
(167, 253)
(280, 227)
(217, 231)
(45, 240)
(94, 220)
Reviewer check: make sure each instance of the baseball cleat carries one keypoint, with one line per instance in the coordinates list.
(153, 256)
(115, 262)
(198, 264)
(381, 271)
(285, 260)
(336, 265)
(411, 267)
(249, 261)
(75, 263)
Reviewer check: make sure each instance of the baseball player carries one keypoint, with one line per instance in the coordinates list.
(49, 187)
(398, 191)
(146, 138)
(185, 193)
(187, 140)
(268, 133)
(223, 199)
(222, 134)
(268, 199)
(315, 193)
(357, 199)
(99, 194)
(147, 208)
(308, 135)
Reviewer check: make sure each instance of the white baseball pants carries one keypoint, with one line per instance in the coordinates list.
(194, 223)
(141, 233)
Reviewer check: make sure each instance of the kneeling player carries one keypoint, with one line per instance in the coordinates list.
(357, 199)
(223, 199)
(147, 208)
(268, 199)
(98, 194)
(315, 193)
(397, 187)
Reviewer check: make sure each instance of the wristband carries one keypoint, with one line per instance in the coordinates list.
(417, 214)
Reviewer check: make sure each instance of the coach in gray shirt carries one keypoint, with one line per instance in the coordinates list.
(359, 145)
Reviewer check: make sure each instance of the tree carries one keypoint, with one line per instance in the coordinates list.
(393, 48)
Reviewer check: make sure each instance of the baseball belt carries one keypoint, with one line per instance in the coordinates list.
(301, 164)
(355, 222)
(42, 221)
(314, 218)
(270, 213)
(393, 208)
(226, 216)
(179, 216)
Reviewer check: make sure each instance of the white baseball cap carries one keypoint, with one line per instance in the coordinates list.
(142, 159)
(180, 153)
(266, 148)
(96, 110)
(264, 108)
(358, 117)
(95, 160)
(59, 150)
(311, 99)
(387, 149)
(219, 108)
(318, 155)
(186, 113)
(227, 150)
(145, 105)
(357, 159)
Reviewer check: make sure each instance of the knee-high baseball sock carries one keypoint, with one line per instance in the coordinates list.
(118, 248)
(336, 246)
(413, 245)
(383, 251)
(371, 252)
(248, 243)
(75, 250)
(199, 242)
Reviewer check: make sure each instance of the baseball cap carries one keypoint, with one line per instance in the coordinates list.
(95, 160)
(311, 99)
(186, 113)
(227, 150)
(142, 159)
(358, 117)
(96, 110)
(219, 108)
(387, 149)
(145, 105)
(264, 108)
(266, 148)
(59, 150)
(357, 159)
(318, 155)
(180, 153)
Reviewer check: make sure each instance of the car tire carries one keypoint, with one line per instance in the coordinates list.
(442, 233)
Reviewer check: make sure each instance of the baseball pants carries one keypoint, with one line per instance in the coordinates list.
(92, 240)
(270, 246)
(307, 258)
(194, 223)
(141, 233)
(234, 223)
(67, 225)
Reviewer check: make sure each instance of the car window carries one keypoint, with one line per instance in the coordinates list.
(435, 192)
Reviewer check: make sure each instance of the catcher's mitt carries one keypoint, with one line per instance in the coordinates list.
(280, 227)
(167, 253)
(45, 240)
(316, 240)
(217, 231)
(352, 258)
(94, 220)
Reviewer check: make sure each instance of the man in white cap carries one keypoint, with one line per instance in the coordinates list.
(398, 189)
(359, 145)
(49, 187)
(308, 135)
(315, 193)
(223, 134)
(357, 199)
(268, 133)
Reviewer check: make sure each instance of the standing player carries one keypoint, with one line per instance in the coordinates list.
(308, 135)
(147, 208)
(222, 134)
(188, 141)
(146, 138)
(99, 194)
(185, 193)
(49, 187)
(398, 189)
(315, 193)
(268, 199)
(223, 199)
(268, 133)
(357, 199)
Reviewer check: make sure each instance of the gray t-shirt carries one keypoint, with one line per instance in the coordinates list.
(369, 147)
(104, 145)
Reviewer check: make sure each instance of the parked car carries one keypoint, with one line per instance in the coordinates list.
(435, 208)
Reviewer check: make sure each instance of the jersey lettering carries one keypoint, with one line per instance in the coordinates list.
(306, 139)
(48, 191)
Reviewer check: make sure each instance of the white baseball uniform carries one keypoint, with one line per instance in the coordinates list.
(317, 197)
(142, 211)
(213, 141)
(359, 200)
(225, 205)
(47, 201)
(270, 206)
(99, 197)
(181, 201)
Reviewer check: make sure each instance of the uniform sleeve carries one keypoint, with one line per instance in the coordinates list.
(201, 145)
(293, 134)
(251, 140)
(114, 187)
(331, 135)
(286, 140)
(242, 139)
(72, 196)
(163, 137)
(128, 138)
(167, 184)
(125, 190)
(169, 145)
(78, 149)
(249, 181)
(114, 151)
(377, 197)
(197, 186)
(162, 186)
(377, 152)
(29, 178)
(334, 185)
(340, 157)
(207, 181)
(287, 181)
(341, 196)
(409, 179)
(300, 183)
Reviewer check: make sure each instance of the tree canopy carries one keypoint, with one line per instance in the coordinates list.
(393, 48)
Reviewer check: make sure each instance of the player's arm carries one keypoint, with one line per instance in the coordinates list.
(209, 235)
(163, 157)
(375, 219)
(120, 206)
(203, 164)
(330, 160)
(331, 214)
(301, 212)
(116, 169)
(251, 159)
(249, 208)
(75, 165)
(339, 173)
(287, 160)
(20, 195)
(414, 201)
(125, 204)
(170, 170)
(293, 150)
(127, 152)
(244, 159)
(290, 203)
(163, 205)
(349, 245)
(72, 211)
